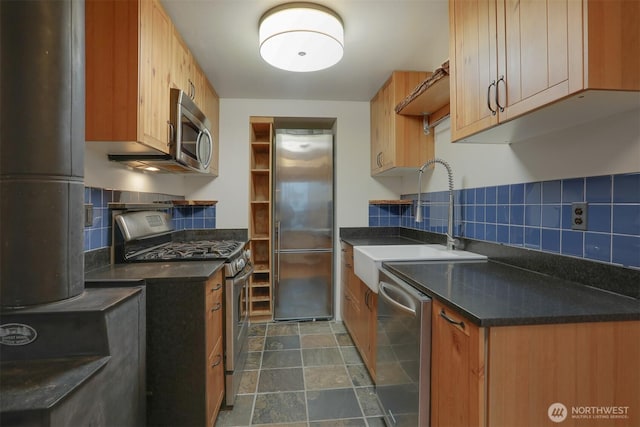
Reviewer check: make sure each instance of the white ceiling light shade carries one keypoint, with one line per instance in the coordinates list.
(301, 37)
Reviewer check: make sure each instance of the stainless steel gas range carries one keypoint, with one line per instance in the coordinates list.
(147, 236)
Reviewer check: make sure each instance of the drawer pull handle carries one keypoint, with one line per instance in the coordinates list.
(217, 307)
(450, 320)
(217, 362)
(217, 287)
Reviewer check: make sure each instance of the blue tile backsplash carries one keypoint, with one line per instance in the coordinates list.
(537, 215)
(99, 234)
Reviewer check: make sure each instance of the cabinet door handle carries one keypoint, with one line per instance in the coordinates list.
(218, 361)
(450, 320)
(217, 307)
(171, 132)
(217, 287)
(493, 83)
(501, 79)
(366, 298)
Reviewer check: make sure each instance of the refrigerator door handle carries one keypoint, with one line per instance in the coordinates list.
(277, 272)
(305, 250)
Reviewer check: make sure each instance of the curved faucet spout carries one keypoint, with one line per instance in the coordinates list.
(451, 241)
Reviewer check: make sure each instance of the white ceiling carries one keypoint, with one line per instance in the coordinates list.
(380, 36)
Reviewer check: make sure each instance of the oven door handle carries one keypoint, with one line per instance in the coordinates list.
(383, 291)
(248, 270)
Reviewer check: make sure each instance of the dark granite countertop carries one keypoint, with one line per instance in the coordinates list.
(154, 271)
(495, 294)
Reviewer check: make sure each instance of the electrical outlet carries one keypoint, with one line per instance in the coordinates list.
(579, 216)
(88, 215)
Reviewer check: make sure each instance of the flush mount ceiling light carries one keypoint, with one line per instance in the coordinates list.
(301, 37)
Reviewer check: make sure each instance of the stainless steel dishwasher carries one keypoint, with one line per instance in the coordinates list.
(403, 352)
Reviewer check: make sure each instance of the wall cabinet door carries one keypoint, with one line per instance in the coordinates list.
(535, 43)
(457, 370)
(473, 66)
(397, 142)
(211, 109)
(512, 57)
(128, 63)
(155, 68)
(180, 63)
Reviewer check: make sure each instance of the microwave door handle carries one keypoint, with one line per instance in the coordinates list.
(210, 150)
(205, 164)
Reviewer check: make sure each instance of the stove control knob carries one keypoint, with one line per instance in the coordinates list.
(240, 263)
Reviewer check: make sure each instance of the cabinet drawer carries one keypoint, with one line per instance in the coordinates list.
(213, 310)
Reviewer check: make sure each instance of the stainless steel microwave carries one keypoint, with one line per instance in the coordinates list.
(190, 142)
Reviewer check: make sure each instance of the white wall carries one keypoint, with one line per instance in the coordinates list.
(609, 146)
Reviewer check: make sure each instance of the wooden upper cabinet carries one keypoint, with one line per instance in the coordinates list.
(397, 142)
(128, 63)
(535, 43)
(181, 63)
(186, 73)
(511, 57)
(211, 109)
(134, 55)
(198, 84)
(473, 65)
(155, 69)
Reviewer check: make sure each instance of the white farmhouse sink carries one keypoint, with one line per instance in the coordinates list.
(367, 259)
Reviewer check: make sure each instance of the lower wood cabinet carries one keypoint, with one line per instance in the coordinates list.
(359, 310)
(457, 369)
(511, 375)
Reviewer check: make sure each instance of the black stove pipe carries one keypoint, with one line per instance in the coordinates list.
(42, 125)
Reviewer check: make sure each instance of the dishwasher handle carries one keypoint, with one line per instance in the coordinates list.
(386, 289)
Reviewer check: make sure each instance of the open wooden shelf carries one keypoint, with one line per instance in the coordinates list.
(260, 222)
(430, 98)
(260, 156)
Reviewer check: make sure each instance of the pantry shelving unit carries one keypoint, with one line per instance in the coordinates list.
(260, 223)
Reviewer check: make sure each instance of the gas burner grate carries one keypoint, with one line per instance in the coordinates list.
(199, 249)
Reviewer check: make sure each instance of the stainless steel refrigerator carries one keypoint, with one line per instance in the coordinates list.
(303, 224)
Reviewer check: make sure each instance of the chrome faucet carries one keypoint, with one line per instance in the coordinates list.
(451, 241)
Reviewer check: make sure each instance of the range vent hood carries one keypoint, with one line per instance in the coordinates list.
(159, 163)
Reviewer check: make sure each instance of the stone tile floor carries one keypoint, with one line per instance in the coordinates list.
(303, 374)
